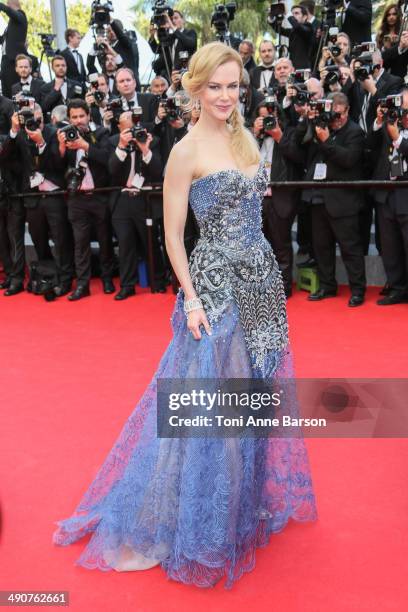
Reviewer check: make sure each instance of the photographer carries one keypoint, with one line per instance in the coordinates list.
(97, 97)
(86, 155)
(279, 206)
(300, 36)
(169, 126)
(12, 214)
(283, 69)
(122, 44)
(27, 84)
(396, 57)
(249, 98)
(334, 153)
(134, 159)
(13, 40)
(246, 51)
(75, 62)
(61, 89)
(43, 173)
(371, 82)
(159, 86)
(337, 53)
(357, 20)
(388, 144)
(129, 99)
(262, 76)
(168, 37)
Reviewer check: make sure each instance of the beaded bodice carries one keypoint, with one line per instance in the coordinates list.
(233, 260)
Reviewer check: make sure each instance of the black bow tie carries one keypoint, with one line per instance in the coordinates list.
(262, 68)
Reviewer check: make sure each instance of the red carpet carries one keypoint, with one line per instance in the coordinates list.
(71, 375)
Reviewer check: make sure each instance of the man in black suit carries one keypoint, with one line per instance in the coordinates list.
(13, 40)
(178, 39)
(12, 214)
(110, 64)
(279, 206)
(126, 86)
(335, 153)
(262, 76)
(300, 36)
(122, 44)
(97, 97)
(396, 58)
(316, 26)
(89, 155)
(27, 84)
(357, 20)
(43, 173)
(75, 62)
(131, 162)
(246, 51)
(249, 98)
(387, 141)
(364, 95)
(6, 112)
(61, 89)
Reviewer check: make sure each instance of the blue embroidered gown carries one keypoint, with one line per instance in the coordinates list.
(202, 505)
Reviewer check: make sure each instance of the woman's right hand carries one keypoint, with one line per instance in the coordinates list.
(195, 318)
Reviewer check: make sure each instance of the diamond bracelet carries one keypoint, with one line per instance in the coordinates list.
(193, 304)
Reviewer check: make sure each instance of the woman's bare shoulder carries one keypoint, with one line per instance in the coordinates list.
(184, 151)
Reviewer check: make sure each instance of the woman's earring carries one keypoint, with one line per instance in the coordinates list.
(197, 105)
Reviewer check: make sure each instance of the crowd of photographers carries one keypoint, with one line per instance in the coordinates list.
(325, 103)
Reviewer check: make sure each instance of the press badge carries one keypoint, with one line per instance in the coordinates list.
(138, 181)
(36, 179)
(320, 172)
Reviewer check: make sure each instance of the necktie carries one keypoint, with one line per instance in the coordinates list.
(77, 59)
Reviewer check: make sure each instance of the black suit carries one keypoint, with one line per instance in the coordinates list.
(281, 207)
(357, 21)
(149, 104)
(34, 91)
(300, 42)
(335, 211)
(127, 50)
(387, 84)
(50, 97)
(396, 63)
(12, 214)
(72, 67)
(184, 41)
(14, 38)
(6, 111)
(87, 210)
(129, 213)
(391, 210)
(47, 214)
(258, 80)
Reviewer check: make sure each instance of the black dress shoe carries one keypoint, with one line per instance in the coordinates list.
(80, 292)
(385, 290)
(309, 263)
(108, 286)
(5, 284)
(14, 289)
(394, 297)
(321, 294)
(62, 289)
(356, 300)
(124, 293)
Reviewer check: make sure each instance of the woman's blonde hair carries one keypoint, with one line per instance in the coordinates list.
(202, 65)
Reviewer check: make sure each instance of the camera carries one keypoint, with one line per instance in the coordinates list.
(31, 123)
(270, 121)
(24, 107)
(100, 12)
(182, 63)
(332, 40)
(299, 76)
(325, 113)
(116, 107)
(276, 12)
(75, 176)
(392, 108)
(71, 133)
(172, 108)
(302, 97)
(99, 96)
(365, 47)
(160, 9)
(332, 77)
(363, 66)
(138, 132)
(222, 15)
(46, 41)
